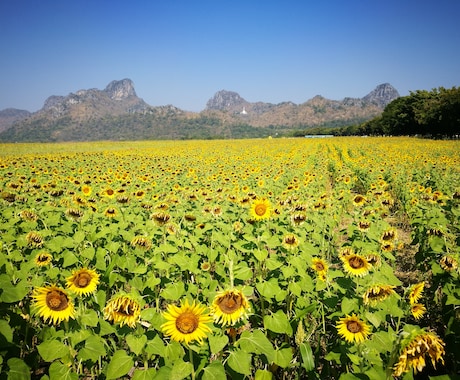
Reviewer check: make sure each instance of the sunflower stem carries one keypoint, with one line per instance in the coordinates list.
(190, 353)
(230, 273)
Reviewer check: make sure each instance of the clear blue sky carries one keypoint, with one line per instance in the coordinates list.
(183, 52)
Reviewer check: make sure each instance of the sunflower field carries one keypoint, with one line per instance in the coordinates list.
(245, 259)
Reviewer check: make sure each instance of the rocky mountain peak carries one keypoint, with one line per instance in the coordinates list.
(120, 89)
(382, 95)
(225, 100)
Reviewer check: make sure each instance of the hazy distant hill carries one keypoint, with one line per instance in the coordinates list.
(118, 113)
(9, 116)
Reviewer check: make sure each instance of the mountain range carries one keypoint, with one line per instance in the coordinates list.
(118, 113)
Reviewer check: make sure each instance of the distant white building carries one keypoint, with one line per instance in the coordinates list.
(244, 111)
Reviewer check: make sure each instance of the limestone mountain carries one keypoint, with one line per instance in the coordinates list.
(9, 116)
(314, 112)
(382, 95)
(118, 113)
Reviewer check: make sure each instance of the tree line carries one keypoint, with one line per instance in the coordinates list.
(434, 113)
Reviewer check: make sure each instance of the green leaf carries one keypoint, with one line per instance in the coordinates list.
(6, 331)
(51, 350)
(119, 365)
(89, 318)
(136, 343)
(217, 342)
(256, 342)
(240, 361)
(181, 370)
(142, 374)
(278, 323)
(69, 259)
(59, 371)
(308, 360)
(93, 350)
(173, 291)
(88, 253)
(373, 318)
(263, 374)
(214, 371)
(19, 370)
(349, 305)
(155, 346)
(283, 357)
(12, 293)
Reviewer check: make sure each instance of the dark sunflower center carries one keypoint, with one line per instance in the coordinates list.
(230, 303)
(354, 327)
(42, 258)
(82, 280)
(290, 240)
(319, 267)
(127, 311)
(187, 323)
(260, 209)
(57, 300)
(356, 262)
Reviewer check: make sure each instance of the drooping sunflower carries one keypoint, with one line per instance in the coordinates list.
(377, 293)
(260, 209)
(229, 307)
(359, 200)
(290, 242)
(186, 323)
(141, 242)
(414, 352)
(160, 218)
(418, 310)
(415, 292)
(353, 329)
(83, 281)
(448, 263)
(123, 309)
(43, 258)
(34, 239)
(388, 236)
(110, 212)
(356, 265)
(52, 303)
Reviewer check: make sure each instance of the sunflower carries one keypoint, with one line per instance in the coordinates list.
(187, 322)
(74, 213)
(448, 263)
(160, 218)
(353, 329)
(86, 190)
(412, 356)
(141, 242)
(260, 209)
(415, 292)
(388, 236)
(418, 310)
(229, 307)
(359, 200)
(83, 281)
(43, 258)
(123, 309)
(377, 293)
(34, 239)
(364, 225)
(53, 304)
(110, 212)
(109, 193)
(319, 265)
(290, 242)
(355, 264)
